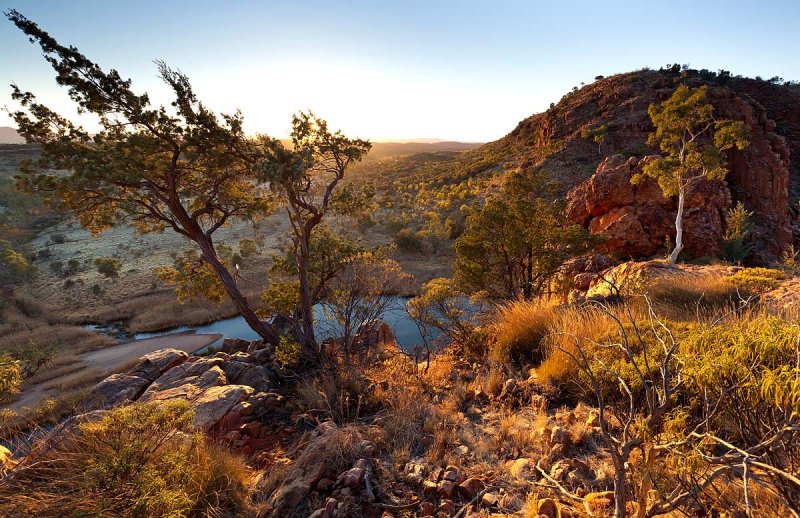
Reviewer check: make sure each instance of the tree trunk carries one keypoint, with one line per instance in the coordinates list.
(306, 302)
(645, 484)
(263, 329)
(619, 487)
(673, 258)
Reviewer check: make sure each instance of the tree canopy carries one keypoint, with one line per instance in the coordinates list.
(516, 242)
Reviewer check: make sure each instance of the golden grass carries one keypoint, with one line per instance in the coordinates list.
(518, 328)
(581, 324)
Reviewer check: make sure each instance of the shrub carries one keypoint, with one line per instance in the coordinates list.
(739, 227)
(518, 330)
(287, 353)
(138, 460)
(756, 280)
(108, 266)
(408, 240)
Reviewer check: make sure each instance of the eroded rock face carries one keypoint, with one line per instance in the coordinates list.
(115, 390)
(636, 219)
(156, 363)
(224, 391)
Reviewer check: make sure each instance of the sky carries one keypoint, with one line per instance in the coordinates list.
(463, 70)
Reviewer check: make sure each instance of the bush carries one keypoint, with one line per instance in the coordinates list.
(756, 280)
(408, 240)
(518, 330)
(108, 266)
(138, 460)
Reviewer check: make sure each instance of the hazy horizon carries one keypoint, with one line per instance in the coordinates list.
(466, 71)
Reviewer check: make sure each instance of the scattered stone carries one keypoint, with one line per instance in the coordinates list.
(489, 499)
(520, 467)
(447, 507)
(352, 478)
(429, 488)
(471, 487)
(509, 388)
(548, 507)
(454, 475)
(369, 448)
(324, 484)
(427, 509)
(559, 436)
(446, 488)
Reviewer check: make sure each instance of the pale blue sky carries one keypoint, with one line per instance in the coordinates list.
(466, 70)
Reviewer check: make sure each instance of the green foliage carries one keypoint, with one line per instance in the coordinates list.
(756, 280)
(408, 240)
(248, 248)
(108, 266)
(441, 306)
(516, 242)
(13, 264)
(30, 356)
(287, 353)
(599, 134)
(193, 278)
(739, 353)
(328, 254)
(10, 377)
(739, 227)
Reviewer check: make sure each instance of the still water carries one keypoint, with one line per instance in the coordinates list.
(405, 331)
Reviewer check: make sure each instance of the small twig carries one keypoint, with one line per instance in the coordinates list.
(564, 490)
(400, 507)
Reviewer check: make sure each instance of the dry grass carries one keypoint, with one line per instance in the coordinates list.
(710, 292)
(519, 328)
(581, 324)
(135, 461)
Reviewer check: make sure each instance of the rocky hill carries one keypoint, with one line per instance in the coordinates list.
(765, 176)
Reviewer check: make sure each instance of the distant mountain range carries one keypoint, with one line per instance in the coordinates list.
(10, 136)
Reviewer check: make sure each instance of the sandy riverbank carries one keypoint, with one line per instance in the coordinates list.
(101, 363)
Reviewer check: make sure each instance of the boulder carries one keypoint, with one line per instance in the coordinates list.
(210, 405)
(234, 345)
(203, 372)
(113, 391)
(636, 219)
(261, 378)
(151, 366)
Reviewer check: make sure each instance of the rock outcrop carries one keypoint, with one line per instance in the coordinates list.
(225, 391)
(764, 177)
(637, 219)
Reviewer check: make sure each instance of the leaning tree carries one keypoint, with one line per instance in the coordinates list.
(183, 169)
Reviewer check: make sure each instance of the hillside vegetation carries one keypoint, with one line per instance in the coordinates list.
(563, 368)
